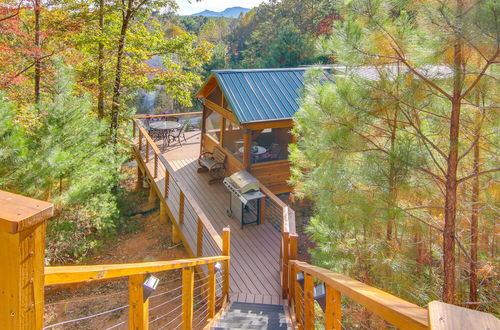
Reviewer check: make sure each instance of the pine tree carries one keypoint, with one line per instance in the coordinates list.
(64, 159)
(426, 61)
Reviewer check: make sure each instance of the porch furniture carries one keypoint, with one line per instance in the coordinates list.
(256, 151)
(165, 127)
(273, 153)
(178, 134)
(214, 163)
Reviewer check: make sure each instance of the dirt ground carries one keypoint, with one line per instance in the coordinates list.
(147, 240)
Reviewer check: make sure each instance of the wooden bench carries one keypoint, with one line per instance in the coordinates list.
(214, 163)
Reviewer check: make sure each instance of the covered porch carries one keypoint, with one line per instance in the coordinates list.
(248, 115)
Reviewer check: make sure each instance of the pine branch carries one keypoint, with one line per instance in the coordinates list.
(473, 175)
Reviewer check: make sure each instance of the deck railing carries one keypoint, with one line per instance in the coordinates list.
(305, 277)
(138, 307)
(282, 216)
(23, 277)
(182, 208)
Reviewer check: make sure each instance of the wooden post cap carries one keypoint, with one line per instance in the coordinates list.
(18, 213)
(444, 316)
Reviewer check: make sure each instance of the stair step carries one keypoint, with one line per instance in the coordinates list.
(253, 316)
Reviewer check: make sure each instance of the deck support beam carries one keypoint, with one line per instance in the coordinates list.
(152, 198)
(176, 234)
(140, 177)
(163, 212)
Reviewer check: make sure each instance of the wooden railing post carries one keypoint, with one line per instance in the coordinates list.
(187, 297)
(284, 270)
(181, 208)
(167, 182)
(156, 166)
(333, 311)
(147, 151)
(262, 210)
(226, 251)
(308, 301)
(133, 128)
(293, 241)
(211, 290)
(22, 253)
(140, 141)
(138, 307)
(199, 240)
(299, 308)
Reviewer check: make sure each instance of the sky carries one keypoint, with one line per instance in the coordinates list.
(190, 7)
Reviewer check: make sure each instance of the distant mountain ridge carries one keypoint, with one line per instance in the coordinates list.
(228, 12)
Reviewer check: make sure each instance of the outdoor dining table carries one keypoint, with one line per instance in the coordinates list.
(165, 126)
(255, 152)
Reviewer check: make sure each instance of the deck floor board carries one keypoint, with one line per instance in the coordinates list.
(255, 272)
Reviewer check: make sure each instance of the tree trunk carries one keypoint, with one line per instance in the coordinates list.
(38, 51)
(115, 107)
(100, 68)
(474, 222)
(450, 212)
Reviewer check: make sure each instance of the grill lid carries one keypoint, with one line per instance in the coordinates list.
(245, 182)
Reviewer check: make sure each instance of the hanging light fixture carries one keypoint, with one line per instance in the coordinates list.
(300, 279)
(149, 285)
(320, 295)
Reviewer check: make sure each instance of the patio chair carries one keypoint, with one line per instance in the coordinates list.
(155, 134)
(272, 154)
(178, 135)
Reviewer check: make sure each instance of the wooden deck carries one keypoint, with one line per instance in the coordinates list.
(255, 250)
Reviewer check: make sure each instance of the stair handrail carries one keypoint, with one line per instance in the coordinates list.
(397, 311)
(88, 273)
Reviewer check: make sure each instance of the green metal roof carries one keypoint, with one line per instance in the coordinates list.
(262, 94)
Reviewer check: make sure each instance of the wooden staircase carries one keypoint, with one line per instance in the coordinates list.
(253, 316)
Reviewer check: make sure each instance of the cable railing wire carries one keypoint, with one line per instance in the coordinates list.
(166, 314)
(164, 303)
(166, 292)
(117, 325)
(204, 318)
(170, 322)
(86, 317)
(87, 298)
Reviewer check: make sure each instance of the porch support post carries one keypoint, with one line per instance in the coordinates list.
(247, 148)
(222, 129)
(203, 127)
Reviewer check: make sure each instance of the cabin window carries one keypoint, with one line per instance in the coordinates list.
(232, 140)
(273, 143)
(213, 125)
